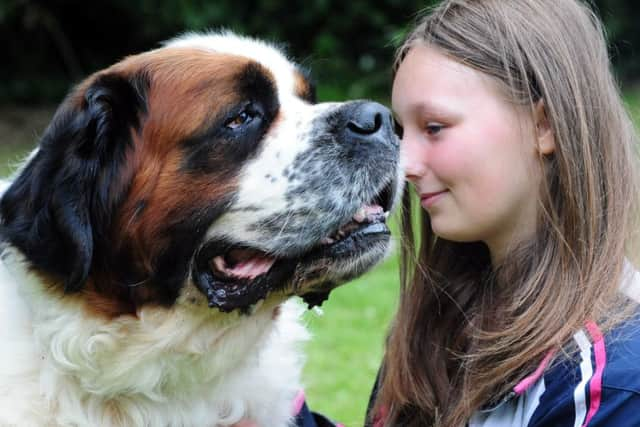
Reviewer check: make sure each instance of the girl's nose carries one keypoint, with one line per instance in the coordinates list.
(413, 159)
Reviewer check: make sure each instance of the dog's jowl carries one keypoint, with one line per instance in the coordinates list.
(150, 244)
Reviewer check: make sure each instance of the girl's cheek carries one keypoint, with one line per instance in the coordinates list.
(450, 161)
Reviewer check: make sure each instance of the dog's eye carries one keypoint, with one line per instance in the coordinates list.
(242, 118)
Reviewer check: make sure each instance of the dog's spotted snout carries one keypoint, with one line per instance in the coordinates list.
(368, 119)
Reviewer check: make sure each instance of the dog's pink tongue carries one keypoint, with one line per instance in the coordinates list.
(244, 264)
(252, 268)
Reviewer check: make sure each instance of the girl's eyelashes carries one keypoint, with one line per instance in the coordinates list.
(433, 128)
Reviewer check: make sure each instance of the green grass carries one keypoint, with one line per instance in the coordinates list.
(632, 102)
(11, 156)
(346, 348)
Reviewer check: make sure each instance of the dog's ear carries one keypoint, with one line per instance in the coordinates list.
(62, 201)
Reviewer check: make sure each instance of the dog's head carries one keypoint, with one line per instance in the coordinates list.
(206, 165)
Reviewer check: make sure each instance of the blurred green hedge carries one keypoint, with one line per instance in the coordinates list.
(51, 44)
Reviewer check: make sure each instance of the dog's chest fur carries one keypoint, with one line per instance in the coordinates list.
(59, 367)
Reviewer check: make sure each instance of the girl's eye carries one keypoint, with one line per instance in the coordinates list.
(242, 118)
(397, 128)
(434, 128)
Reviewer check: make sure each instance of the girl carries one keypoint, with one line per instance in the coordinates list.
(518, 296)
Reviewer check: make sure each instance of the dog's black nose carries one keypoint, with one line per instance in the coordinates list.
(367, 118)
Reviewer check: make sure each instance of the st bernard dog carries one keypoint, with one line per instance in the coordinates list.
(150, 243)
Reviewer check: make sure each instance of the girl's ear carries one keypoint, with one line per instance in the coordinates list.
(544, 134)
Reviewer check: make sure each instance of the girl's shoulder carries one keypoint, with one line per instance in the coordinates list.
(597, 386)
(611, 359)
(596, 383)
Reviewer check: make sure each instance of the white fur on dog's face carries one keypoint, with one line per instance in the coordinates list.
(265, 181)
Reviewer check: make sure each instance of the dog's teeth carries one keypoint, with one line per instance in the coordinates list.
(220, 264)
(327, 241)
(361, 215)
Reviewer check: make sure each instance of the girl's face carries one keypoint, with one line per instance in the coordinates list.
(471, 156)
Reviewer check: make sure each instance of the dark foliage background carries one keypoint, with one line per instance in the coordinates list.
(50, 44)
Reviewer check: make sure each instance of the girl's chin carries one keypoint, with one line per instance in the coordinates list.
(446, 229)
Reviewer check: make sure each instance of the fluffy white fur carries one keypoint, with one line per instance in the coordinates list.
(178, 367)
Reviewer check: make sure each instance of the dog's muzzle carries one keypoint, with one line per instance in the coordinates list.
(334, 245)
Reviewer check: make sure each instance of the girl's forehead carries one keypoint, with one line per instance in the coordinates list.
(427, 77)
(426, 59)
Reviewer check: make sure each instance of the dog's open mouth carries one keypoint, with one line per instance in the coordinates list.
(237, 277)
(247, 263)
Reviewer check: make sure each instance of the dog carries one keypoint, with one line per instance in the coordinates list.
(152, 243)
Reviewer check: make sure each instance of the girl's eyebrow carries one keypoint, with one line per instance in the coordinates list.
(434, 110)
(427, 107)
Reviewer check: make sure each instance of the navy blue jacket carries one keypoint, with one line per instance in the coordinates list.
(599, 386)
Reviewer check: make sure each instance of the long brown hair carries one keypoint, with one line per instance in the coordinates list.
(466, 331)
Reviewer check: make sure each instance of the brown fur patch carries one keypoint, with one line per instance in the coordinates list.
(303, 87)
(188, 89)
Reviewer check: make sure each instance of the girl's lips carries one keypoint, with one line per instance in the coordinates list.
(429, 199)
